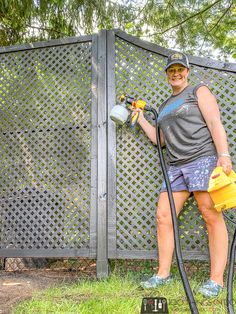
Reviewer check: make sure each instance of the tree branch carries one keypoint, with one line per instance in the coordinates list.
(188, 18)
(141, 10)
(222, 16)
(214, 26)
(163, 20)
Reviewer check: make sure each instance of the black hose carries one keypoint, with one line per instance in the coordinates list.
(230, 305)
(229, 219)
(179, 258)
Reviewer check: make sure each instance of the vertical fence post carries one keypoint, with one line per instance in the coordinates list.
(111, 149)
(94, 148)
(102, 257)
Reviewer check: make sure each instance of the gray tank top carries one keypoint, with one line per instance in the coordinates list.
(186, 134)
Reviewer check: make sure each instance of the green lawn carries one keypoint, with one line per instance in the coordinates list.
(120, 294)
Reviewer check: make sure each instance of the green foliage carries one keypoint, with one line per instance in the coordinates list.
(196, 27)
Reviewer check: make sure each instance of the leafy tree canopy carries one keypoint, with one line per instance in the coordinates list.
(199, 27)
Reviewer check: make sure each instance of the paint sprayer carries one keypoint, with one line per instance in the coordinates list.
(222, 189)
(122, 113)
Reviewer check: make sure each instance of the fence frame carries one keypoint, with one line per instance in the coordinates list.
(103, 144)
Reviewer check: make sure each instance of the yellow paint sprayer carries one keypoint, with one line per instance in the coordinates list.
(222, 189)
(120, 113)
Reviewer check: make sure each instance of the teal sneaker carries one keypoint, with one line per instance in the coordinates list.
(155, 281)
(210, 289)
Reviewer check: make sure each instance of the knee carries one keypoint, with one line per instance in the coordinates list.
(163, 217)
(210, 215)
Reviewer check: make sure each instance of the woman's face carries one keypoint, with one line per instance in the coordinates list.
(177, 75)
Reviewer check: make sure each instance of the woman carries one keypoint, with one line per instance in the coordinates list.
(196, 143)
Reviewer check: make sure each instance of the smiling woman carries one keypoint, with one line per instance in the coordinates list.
(177, 70)
(177, 77)
(196, 143)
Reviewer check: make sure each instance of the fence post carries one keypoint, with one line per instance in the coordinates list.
(94, 156)
(102, 256)
(111, 149)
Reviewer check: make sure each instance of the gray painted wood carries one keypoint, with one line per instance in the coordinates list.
(102, 257)
(111, 136)
(94, 148)
(142, 254)
(140, 70)
(115, 214)
(204, 62)
(46, 253)
(50, 43)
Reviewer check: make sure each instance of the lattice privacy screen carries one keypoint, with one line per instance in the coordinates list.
(45, 100)
(50, 193)
(140, 73)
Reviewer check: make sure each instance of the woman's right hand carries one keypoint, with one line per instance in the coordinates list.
(147, 127)
(139, 112)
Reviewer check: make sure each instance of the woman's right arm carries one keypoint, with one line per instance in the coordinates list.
(149, 129)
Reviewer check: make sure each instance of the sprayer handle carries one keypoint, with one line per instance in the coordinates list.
(134, 119)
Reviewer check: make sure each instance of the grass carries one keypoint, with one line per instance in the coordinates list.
(119, 294)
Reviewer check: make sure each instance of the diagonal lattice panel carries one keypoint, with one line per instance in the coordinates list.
(36, 85)
(138, 174)
(131, 199)
(37, 219)
(140, 73)
(45, 100)
(222, 84)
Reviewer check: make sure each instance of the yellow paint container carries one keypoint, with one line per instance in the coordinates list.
(222, 189)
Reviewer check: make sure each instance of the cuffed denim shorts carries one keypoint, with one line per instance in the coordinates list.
(192, 176)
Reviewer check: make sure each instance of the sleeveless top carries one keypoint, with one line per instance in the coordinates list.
(186, 134)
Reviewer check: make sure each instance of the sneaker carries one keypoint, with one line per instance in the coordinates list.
(210, 289)
(155, 281)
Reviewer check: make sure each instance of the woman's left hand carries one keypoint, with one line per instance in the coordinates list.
(225, 163)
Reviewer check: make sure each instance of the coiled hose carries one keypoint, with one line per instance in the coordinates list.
(230, 276)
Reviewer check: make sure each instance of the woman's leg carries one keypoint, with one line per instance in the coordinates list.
(217, 235)
(165, 236)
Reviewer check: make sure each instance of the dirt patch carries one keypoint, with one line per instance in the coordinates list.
(20, 278)
(16, 287)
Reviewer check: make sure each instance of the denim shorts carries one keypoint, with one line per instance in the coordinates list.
(192, 176)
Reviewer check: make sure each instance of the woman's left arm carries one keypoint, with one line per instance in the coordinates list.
(209, 108)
